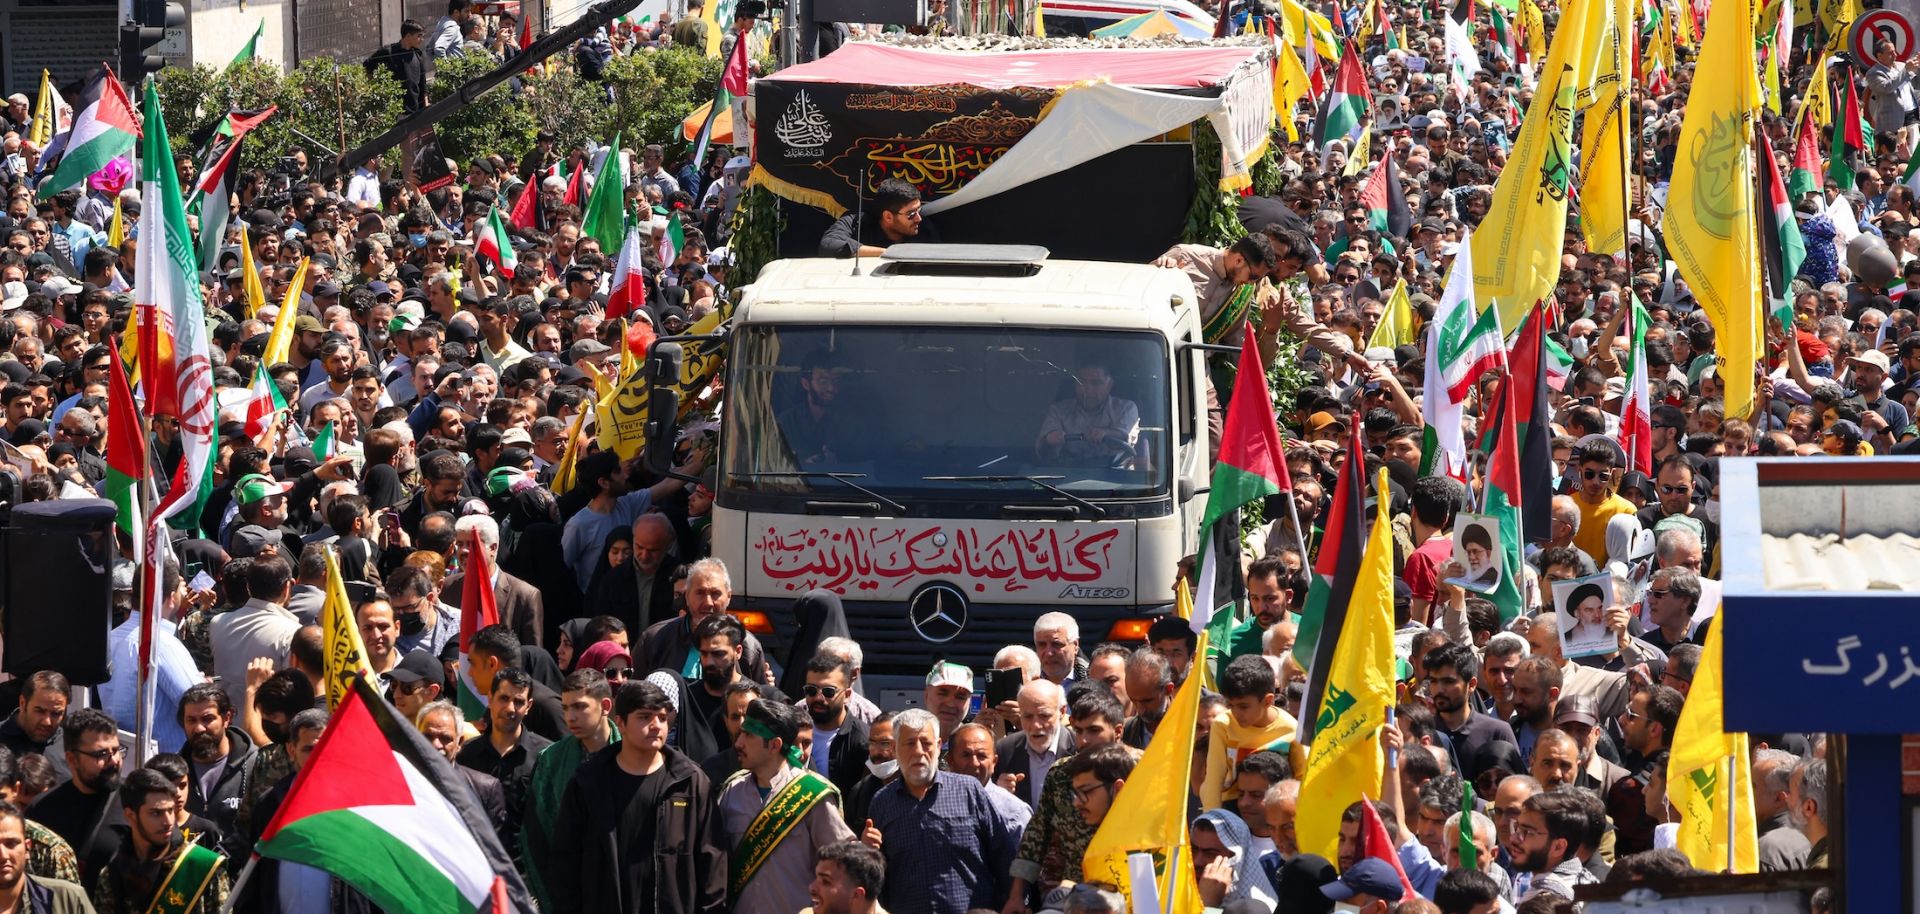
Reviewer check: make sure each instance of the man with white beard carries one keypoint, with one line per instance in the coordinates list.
(946, 851)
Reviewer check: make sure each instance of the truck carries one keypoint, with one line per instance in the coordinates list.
(925, 434)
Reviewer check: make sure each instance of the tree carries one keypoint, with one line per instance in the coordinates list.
(501, 121)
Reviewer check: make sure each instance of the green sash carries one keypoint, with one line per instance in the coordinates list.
(193, 870)
(784, 810)
(1224, 326)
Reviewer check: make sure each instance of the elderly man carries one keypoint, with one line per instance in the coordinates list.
(520, 604)
(1056, 638)
(970, 751)
(665, 644)
(946, 850)
(949, 692)
(1782, 847)
(1026, 756)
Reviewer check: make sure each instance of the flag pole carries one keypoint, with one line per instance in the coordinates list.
(1733, 812)
(239, 882)
(1299, 535)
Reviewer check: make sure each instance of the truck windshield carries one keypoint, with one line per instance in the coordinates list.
(930, 410)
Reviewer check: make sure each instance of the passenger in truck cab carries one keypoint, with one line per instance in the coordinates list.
(1093, 427)
(818, 431)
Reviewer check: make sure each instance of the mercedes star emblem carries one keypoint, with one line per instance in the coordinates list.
(938, 612)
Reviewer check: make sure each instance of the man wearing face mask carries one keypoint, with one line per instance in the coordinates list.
(424, 622)
(882, 768)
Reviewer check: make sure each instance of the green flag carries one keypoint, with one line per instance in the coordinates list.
(323, 443)
(606, 218)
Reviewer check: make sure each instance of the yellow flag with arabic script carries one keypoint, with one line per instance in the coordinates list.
(1362, 151)
(563, 475)
(1710, 218)
(346, 655)
(1533, 24)
(1149, 814)
(1697, 772)
(1516, 253)
(1604, 138)
(1345, 762)
(1397, 325)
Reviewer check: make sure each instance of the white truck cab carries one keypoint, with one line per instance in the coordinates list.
(956, 439)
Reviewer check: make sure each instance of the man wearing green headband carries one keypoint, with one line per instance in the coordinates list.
(776, 812)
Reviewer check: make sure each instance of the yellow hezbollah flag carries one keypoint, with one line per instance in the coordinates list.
(1518, 263)
(1301, 21)
(1345, 763)
(1697, 774)
(253, 292)
(563, 475)
(1396, 323)
(1603, 143)
(117, 229)
(623, 412)
(1710, 221)
(1362, 151)
(711, 15)
(1290, 85)
(1813, 104)
(345, 654)
(1533, 24)
(45, 112)
(280, 341)
(1150, 812)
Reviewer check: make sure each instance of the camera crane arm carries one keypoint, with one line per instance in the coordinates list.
(598, 16)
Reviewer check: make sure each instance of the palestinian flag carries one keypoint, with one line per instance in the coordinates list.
(381, 809)
(1782, 247)
(1851, 134)
(479, 608)
(1500, 496)
(1348, 102)
(1636, 417)
(1461, 348)
(126, 450)
(1335, 569)
(173, 334)
(1529, 359)
(575, 195)
(219, 172)
(1386, 200)
(106, 127)
(733, 84)
(627, 290)
(493, 245)
(1807, 175)
(1252, 465)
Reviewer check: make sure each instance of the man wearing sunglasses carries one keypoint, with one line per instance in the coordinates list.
(1673, 484)
(1599, 460)
(839, 738)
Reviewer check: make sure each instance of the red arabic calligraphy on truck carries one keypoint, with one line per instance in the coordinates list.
(876, 557)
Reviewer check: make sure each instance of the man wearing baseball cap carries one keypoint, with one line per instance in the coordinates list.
(262, 505)
(1369, 886)
(418, 679)
(949, 695)
(1886, 417)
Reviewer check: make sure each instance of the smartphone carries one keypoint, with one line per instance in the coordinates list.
(1004, 685)
(390, 521)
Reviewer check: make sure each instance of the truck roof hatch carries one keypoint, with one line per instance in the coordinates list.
(962, 260)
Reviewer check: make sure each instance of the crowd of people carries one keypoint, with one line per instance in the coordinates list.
(641, 750)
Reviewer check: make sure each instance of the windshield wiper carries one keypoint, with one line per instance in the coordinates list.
(1098, 512)
(845, 479)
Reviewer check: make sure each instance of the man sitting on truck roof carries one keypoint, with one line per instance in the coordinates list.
(1094, 427)
(891, 217)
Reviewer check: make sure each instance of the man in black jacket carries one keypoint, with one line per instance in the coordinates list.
(891, 217)
(407, 63)
(495, 648)
(839, 738)
(639, 822)
(220, 762)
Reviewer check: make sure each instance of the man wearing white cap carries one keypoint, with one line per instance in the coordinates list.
(949, 695)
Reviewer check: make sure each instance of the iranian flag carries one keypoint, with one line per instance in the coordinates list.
(1500, 496)
(106, 127)
(1636, 417)
(1807, 175)
(126, 450)
(1348, 100)
(1464, 347)
(1335, 568)
(628, 289)
(1782, 248)
(263, 404)
(671, 240)
(1316, 75)
(1252, 465)
(378, 807)
(479, 608)
(493, 245)
(177, 371)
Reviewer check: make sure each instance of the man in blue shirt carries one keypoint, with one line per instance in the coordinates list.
(173, 668)
(946, 850)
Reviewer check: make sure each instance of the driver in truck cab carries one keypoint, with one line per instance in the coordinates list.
(1092, 428)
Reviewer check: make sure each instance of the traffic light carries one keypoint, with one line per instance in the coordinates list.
(151, 19)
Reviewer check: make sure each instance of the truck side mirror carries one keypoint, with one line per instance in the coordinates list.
(662, 370)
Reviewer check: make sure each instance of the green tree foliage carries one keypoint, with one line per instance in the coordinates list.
(322, 98)
(500, 121)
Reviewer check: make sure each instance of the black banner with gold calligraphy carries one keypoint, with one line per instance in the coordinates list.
(821, 141)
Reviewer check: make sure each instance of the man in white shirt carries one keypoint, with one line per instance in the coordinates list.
(173, 668)
(262, 627)
(445, 40)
